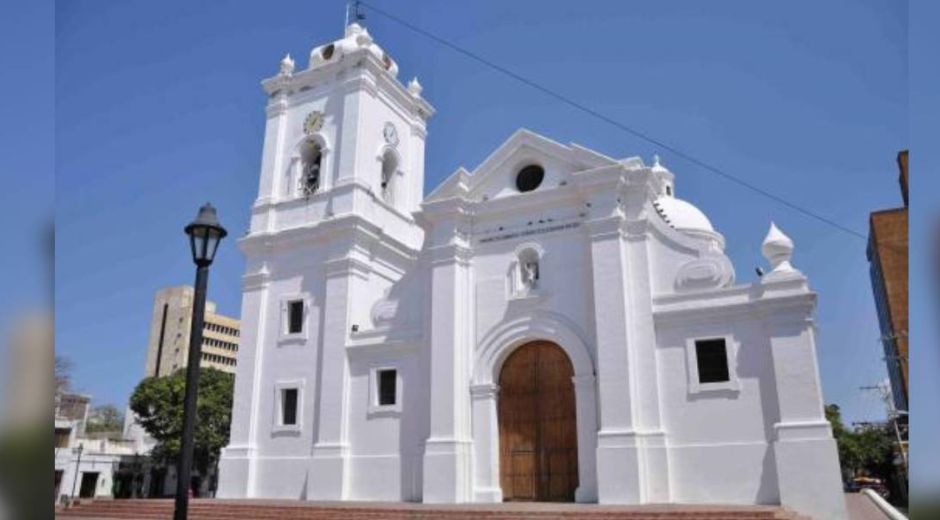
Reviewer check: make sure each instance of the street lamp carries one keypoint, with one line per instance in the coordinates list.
(78, 467)
(205, 233)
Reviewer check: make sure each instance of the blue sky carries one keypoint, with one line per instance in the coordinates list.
(26, 97)
(159, 108)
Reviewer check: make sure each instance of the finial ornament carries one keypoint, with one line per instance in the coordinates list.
(778, 249)
(414, 88)
(657, 164)
(287, 65)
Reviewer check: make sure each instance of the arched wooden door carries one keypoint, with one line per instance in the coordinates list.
(538, 444)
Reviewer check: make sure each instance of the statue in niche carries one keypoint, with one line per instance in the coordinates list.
(310, 181)
(529, 271)
(311, 159)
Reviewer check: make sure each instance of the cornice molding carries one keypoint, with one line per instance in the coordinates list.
(604, 228)
(381, 341)
(357, 59)
(344, 227)
(257, 280)
(450, 253)
(347, 266)
(739, 301)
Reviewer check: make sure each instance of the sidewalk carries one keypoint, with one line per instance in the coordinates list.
(861, 507)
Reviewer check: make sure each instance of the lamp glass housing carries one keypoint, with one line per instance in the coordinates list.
(205, 233)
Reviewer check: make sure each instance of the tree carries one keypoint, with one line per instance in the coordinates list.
(158, 404)
(62, 373)
(105, 418)
(850, 454)
(877, 446)
(868, 450)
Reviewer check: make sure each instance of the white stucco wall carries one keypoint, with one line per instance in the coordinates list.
(431, 287)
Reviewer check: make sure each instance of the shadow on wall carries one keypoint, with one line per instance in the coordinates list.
(754, 361)
(754, 364)
(400, 313)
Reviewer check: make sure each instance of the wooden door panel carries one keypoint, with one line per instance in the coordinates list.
(537, 425)
(524, 469)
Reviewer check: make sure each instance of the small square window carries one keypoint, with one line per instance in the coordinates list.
(712, 360)
(289, 406)
(295, 317)
(388, 387)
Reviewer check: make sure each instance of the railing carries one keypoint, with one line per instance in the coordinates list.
(883, 505)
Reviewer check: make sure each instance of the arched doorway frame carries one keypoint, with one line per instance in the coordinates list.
(492, 352)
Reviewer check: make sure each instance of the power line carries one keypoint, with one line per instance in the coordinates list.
(617, 124)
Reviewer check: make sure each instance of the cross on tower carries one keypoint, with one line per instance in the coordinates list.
(354, 12)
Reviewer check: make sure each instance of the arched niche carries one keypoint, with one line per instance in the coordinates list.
(306, 172)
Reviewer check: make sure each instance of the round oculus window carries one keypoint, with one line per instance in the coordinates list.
(530, 177)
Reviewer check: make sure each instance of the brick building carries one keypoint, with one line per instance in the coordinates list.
(887, 253)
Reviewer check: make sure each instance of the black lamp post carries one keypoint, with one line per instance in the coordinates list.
(78, 467)
(205, 233)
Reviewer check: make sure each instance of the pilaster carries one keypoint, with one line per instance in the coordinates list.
(238, 460)
(618, 458)
(486, 486)
(329, 471)
(347, 156)
(805, 452)
(447, 452)
(586, 408)
(641, 342)
(272, 161)
(415, 187)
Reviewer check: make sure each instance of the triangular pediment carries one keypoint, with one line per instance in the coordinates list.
(495, 177)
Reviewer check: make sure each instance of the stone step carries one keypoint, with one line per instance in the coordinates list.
(306, 513)
(309, 515)
(281, 510)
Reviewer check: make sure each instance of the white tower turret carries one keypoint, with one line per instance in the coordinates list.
(331, 232)
(343, 137)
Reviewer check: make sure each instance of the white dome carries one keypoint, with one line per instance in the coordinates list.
(682, 216)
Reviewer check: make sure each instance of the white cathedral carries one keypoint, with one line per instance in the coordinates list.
(553, 326)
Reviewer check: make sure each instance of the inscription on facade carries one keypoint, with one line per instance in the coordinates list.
(530, 232)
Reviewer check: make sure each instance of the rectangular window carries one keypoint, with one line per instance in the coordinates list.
(388, 387)
(712, 359)
(295, 317)
(62, 437)
(289, 406)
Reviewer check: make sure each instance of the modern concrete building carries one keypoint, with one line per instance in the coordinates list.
(167, 352)
(555, 325)
(170, 326)
(887, 254)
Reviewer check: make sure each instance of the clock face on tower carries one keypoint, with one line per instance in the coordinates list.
(391, 135)
(313, 122)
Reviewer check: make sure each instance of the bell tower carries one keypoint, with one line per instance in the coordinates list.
(331, 232)
(343, 137)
